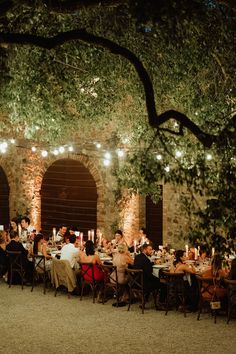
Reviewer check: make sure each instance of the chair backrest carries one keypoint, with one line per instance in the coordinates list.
(135, 279)
(231, 287)
(87, 272)
(207, 288)
(110, 274)
(63, 274)
(15, 259)
(39, 263)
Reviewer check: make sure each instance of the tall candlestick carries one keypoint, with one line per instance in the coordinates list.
(89, 234)
(100, 239)
(135, 246)
(54, 234)
(186, 250)
(92, 235)
(142, 240)
(81, 238)
(198, 251)
(195, 253)
(213, 251)
(19, 230)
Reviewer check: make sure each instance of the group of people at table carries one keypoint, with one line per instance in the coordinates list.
(140, 255)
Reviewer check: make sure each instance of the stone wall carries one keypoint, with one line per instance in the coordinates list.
(25, 170)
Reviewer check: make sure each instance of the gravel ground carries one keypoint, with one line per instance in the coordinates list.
(31, 322)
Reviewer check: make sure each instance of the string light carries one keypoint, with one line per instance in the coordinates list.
(33, 148)
(120, 152)
(70, 148)
(106, 162)
(167, 168)
(107, 155)
(159, 157)
(208, 157)
(178, 153)
(61, 149)
(44, 153)
(98, 145)
(55, 152)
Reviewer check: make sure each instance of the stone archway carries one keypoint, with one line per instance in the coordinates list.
(68, 195)
(4, 199)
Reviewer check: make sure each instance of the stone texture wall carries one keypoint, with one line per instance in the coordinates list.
(25, 170)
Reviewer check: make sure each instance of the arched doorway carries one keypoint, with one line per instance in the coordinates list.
(68, 196)
(4, 199)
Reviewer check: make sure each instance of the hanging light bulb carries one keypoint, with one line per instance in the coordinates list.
(159, 157)
(61, 149)
(44, 153)
(33, 148)
(70, 148)
(167, 168)
(55, 152)
(208, 157)
(12, 141)
(98, 145)
(106, 162)
(178, 153)
(107, 155)
(120, 152)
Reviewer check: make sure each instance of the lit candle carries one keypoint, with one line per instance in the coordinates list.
(100, 239)
(81, 238)
(186, 250)
(135, 246)
(89, 234)
(54, 234)
(195, 253)
(19, 230)
(198, 251)
(212, 251)
(92, 235)
(142, 240)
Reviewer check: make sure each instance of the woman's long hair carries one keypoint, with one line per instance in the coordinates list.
(178, 255)
(216, 265)
(37, 238)
(89, 248)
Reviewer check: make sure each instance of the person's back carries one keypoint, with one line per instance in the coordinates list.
(70, 252)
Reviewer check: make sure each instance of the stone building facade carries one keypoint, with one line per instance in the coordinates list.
(25, 169)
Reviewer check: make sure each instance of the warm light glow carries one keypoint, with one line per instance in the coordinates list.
(70, 148)
(61, 149)
(167, 168)
(55, 152)
(159, 157)
(209, 157)
(106, 162)
(107, 155)
(12, 141)
(33, 148)
(178, 153)
(98, 145)
(120, 152)
(44, 153)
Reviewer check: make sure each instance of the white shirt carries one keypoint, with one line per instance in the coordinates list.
(71, 253)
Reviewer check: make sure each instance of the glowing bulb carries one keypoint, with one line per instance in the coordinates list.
(167, 168)
(159, 157)
(70, 148)
(44, 153)
(55, 152)
(12, 141)
(33, 148)
(98, 145)
(120, 152)
(208, 157)
(61, 149)
(107, 155)
(178, 153)
(106, 162)
(4, 145)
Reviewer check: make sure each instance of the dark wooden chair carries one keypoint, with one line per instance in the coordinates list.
(110, 282)
(40, 271)
(175, 290)
(87, 279)
(15, 266)
(231, 294)
(207, 295)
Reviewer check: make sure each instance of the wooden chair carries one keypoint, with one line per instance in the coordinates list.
(40, 271)
(63, 275)
(88, 279)
(231, 294)
(207, 294)
(15, 266)
(110, 282)
(135, 285)
(175, 289)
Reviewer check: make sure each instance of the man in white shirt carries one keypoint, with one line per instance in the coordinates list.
(60, 236)
(71, 252)
(27, 229)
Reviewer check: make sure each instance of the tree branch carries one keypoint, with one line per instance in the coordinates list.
(80, 34)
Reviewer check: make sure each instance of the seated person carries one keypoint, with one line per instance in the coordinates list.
(119, 239)
(203, 254)
(60, 236)
(143, 262)
(3, 255)
(142, 238)
(89, 256)
(215, 271)
(121, 259)
(16, 245)
(190, 283)
(40, 248)
(71, 252)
